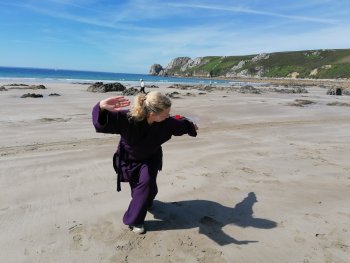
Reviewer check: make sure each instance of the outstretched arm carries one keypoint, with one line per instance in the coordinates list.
(114, 104)
(181, 125)
(107, 113)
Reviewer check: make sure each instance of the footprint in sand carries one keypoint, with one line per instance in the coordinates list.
(247, 170)
(79, 237)
(299, 240)
(55, 119)
(4, 208)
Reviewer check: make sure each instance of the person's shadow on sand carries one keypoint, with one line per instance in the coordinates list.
(209, 216)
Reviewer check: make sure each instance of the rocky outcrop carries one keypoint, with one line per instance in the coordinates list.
(249, 89)
(32, 95)
(177, 63)
(301, 102)
(36, 87)
(108, 87)
(24, 86)
(177, 67)
(260, 57)
(185, 66)
(17, 85)
(173, 95)
(191, 63)
(293, 90)
(131, 92)
(156, 69)
(256, 71)
(293, 75)
(313, 72)
(334, 91)
(238, 66)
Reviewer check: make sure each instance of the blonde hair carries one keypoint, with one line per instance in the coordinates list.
(154, 101)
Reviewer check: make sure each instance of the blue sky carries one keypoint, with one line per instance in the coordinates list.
(130, 36)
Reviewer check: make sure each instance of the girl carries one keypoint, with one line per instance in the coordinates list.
(143, 129)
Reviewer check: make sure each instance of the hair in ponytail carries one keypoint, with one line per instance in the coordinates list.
(154, 101)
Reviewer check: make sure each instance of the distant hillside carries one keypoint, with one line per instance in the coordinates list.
(317, 64)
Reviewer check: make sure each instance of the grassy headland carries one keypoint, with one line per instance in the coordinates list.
(310, 64)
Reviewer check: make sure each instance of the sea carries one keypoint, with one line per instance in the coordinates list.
(78, 76)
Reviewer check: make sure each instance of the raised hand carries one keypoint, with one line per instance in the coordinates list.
(114, 104)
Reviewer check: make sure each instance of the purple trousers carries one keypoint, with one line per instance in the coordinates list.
(143, 191)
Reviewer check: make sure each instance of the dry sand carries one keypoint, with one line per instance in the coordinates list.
(263, 181)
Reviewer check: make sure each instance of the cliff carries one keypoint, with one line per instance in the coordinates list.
(316, 64)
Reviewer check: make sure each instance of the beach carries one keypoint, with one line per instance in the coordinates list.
(267, 179)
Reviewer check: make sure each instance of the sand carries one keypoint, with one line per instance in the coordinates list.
(264, 181)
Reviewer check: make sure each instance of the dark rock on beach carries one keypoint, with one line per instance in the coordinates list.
(24, 86)
(182, 86)
(210, 87)
(301, 103)
(200, 87)
(54, 94)
(346, 92)
(337, 103)
(2, 88)
(335, 91)
(249, 89)
(293, 90)
(36, 87)
(32, 95)
(174, 95)
(130, 92)
(17, 85)
(82, 83)
(108, 87)
(152, 86)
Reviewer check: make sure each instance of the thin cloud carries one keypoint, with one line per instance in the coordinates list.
(132, 35)
(256, 12)
(71, 4)
(78, 19)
